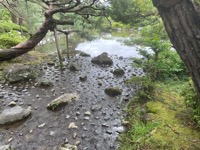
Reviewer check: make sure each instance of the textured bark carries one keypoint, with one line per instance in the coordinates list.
(182, 22)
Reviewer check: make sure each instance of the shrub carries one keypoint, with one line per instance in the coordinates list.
(8, 26)
(10, 39)
(192, 100)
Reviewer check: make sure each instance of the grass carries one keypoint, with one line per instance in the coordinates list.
(170, 127)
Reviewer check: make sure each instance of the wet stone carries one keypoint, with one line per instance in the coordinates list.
(66, 141)
(12, 104)
(109, 131)
(14, 114)
(41, 125)
(96, 107)
(72, 125)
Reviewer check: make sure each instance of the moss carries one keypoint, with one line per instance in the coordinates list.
(172, 130)
(172, 133)
(31, 58)
(153, 107)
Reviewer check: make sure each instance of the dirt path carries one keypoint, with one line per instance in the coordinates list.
(97, 116)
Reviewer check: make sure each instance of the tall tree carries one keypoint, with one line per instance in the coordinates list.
(182, 23)
(84, 8)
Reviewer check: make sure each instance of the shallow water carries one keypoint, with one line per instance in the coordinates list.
(111, 45)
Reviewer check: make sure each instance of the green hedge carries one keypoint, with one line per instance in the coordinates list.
(8, 40)
(8, 26)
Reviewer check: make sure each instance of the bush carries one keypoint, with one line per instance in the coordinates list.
(8, 26)
(191, 100)
(10, 39)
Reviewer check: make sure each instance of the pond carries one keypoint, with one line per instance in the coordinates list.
(105, 42)
(111, 45)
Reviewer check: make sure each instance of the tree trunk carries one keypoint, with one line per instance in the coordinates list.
(13, 18)
(22, 48)
(182, 23)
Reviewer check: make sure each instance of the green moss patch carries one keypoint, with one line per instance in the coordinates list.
(170, 127)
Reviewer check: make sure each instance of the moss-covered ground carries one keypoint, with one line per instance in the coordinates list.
(161, 124)
(31, 58)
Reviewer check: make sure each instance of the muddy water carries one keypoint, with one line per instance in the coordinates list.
(99, 131)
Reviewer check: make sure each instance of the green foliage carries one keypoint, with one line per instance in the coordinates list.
(9, 32)
(138, 131)
(10, 39)
(131, 11)
(4, 15)
(192, 100)
(159, 60)
(8, 26)
(146, 85)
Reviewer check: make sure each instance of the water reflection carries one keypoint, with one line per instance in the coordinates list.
(111, 45)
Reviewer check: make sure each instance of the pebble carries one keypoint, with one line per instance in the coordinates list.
(66, 141)
(72, 125)
(52, 133)
(78, 113)
(78, 143)
(86, 118)
(75, 135)
(87, 113)
(109, 131)
(105, 125)
(42, 125)
(12, 104)
(10, 139)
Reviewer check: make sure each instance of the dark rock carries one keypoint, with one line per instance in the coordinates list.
(45, 83)
(102, 59)
(14, 114)
(74, 67)
(113, 91)
(1, 96)
(18, 72)
(118, 72)
(83, 78)
(83, 54)
(121, 57)
(51, 63)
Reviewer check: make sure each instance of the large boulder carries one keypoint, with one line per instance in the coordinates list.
(18, 72)
(118, 72)
(113, 91)
(74, 67)
(45, 83)
(102, 59)
(14, 114)
(62, 101)
(83, 54)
